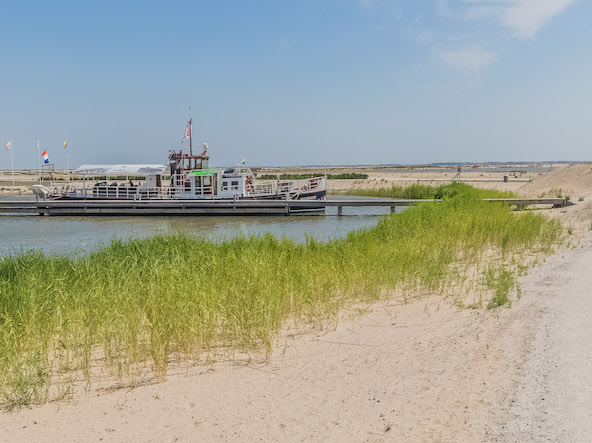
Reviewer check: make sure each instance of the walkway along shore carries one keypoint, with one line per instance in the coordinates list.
(223, 207)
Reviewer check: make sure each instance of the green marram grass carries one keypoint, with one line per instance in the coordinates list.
(418, 191)
(132, 307)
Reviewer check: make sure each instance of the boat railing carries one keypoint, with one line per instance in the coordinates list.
(298, 186)
(286, 187)
(262, 188)
(135, 192)
(129, 191)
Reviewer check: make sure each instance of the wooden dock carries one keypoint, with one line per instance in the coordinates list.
(523, 202)
(221, 207)
(190, 207)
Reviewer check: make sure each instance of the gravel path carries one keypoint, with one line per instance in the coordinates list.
(554, 398)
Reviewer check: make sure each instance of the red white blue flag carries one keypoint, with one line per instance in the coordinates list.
(45, 157)
(187, 133)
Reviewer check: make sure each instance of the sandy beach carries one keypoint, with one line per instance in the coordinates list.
(423, 371)
(296, 221)
(417, 371)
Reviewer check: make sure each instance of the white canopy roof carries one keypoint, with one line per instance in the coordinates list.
(120, 170)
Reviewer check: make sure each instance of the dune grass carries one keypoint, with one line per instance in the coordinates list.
(132, 307)
(418, 191)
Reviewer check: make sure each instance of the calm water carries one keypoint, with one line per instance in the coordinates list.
(68, 234)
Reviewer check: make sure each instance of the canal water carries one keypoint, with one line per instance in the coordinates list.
(82, 234)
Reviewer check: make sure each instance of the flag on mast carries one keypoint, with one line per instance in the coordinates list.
(45, 157)
(8, 145)
(65, 145)
(187, 132)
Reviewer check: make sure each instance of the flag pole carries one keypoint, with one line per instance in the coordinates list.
(9, 148)
(12, 165)
(39, 160)
(67, 160)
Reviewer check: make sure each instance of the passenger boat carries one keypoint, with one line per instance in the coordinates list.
(188, 176)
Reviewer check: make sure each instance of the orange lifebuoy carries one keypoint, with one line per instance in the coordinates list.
(249, 184)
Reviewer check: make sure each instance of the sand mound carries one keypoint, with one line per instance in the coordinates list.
(573, 180)
(577, 216)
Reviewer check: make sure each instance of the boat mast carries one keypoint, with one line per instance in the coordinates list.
(190, 136)
(190, 133)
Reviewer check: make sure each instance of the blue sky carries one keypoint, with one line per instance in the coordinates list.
(297, 82)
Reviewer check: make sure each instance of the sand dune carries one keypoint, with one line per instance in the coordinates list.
(573, 180)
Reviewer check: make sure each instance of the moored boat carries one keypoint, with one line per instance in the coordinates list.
(188, 176)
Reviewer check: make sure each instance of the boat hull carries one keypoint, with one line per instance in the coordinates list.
(244, 207)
